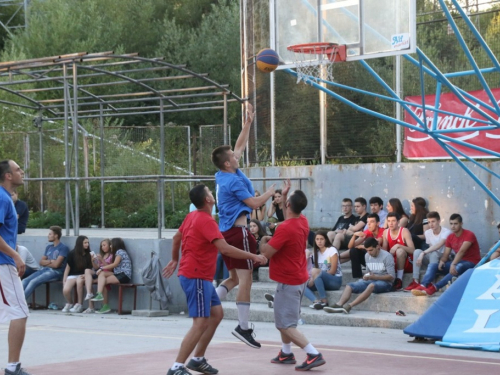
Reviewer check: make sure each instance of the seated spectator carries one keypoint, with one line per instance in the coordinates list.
(357, 250)
(341, 240)
(464, 245)
(53, 263)
(398, 242)
(79, 260)
(496, 253)
(394, 205)
(435, 237)
(31, 265)
(417, 223)
(326, 273)
(22, 213)
(378, 279)
(121, 270)
(377, 207)
(275, 211)
(258, 231)
(343, 222)
(104, 258)
(259, 213)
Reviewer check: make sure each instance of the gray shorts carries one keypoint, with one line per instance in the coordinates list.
(287, 301)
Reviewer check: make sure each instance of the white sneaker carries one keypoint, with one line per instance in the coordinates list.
(76, 309)
(89, 296)
(89, 311)
(67, 307)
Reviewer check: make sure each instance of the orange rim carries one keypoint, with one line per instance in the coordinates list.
(313, 48)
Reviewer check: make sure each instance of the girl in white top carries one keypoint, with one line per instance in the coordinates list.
(326, 273)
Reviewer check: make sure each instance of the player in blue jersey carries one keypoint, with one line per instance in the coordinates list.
(235, 200)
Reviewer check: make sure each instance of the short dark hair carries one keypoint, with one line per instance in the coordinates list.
(347, 200)
(394, 214)
(498, 226)
(377, 200)
(456, 217)
(4, 168)
(220, 156)
(370, 242)
(298, 201)
(433, 215)
(361, 200)
(57, 231)
(197, 195)
(375, 216)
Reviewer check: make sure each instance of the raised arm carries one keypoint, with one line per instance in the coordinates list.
(242, 140)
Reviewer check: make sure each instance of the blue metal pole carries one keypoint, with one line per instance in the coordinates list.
(474, 161)
(422, 92)
(474, 147)
(436, 105)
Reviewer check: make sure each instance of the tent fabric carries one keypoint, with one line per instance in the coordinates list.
(467, 315)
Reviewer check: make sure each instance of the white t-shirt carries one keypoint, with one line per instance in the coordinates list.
(324, 260)
(431, 239)
(27, 258)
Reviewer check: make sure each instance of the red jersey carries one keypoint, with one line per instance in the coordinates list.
(393, 241)
(369, 234)
(288, 265)
(199, 254)
(455, 243)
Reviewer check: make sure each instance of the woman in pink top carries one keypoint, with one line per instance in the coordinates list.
(104, 258)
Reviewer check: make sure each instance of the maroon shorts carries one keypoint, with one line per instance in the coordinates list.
(241, 238)
(408, 267)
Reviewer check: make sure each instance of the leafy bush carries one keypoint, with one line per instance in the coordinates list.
(46, 219)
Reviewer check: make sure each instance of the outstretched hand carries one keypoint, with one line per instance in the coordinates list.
(169, 269)
(272, 189)
(286, 187)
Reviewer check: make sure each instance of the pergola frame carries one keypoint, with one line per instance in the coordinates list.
(74, 100)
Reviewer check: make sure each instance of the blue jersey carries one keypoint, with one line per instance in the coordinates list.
(231, 190)
(8, 224)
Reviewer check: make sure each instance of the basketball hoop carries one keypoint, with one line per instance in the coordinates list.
(311, 59)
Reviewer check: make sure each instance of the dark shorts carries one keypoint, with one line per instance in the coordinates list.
(241, 238)
(122, 278)
(408, 267)
(200, 296)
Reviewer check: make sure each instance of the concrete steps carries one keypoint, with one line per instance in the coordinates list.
(379, 310)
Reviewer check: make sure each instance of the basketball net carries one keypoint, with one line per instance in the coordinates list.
(315, 61)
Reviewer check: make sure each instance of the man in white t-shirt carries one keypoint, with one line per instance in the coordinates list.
(435, 237)
(31, 264)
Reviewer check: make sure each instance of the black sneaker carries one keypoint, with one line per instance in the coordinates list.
(180, 371)
(201, 366)
(312, 360)
(246, 336)
(286, 359)
(270, 300)
(17, 371)
(319, 305)
(398, 285)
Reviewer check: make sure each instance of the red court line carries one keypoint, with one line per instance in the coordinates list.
(237, 358)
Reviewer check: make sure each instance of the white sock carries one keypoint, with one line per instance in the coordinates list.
(399, 274)
(222, 292)
(11, 366)
(243, 313)
(309, 349)
(176, 365)
(286, 348)
(198, 359)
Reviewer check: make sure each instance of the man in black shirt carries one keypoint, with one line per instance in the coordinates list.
(340, 239)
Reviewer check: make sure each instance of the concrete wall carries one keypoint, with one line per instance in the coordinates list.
(140, 253)
(446, 187)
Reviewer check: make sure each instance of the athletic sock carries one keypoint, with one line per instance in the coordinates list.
(11, 366)
(309, 349)
(198, 359)
(222, 292)
(176, 365)
(400, 274)
(286, 348)
(243, 313)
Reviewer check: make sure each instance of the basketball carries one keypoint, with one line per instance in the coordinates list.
(267, 60)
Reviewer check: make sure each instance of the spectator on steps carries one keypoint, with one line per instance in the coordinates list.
(79, 260)
(258, 231)
(343, 222)
(275, 210)
(326, 273)
(417, 223)
(53, 263)
(394, 205)
(31, 264)
(378, 279)
(496, 253)
(341, 240)
(259, 213)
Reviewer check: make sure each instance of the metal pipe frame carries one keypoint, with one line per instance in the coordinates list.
(429, 125)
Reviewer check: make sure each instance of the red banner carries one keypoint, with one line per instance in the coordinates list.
(419, 145)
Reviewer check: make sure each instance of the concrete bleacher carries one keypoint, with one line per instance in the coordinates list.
(377, 311)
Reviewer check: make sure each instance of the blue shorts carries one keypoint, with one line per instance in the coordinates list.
(361, 285)
(200, 295)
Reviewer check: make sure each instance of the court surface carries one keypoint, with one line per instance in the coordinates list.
(110, 344)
